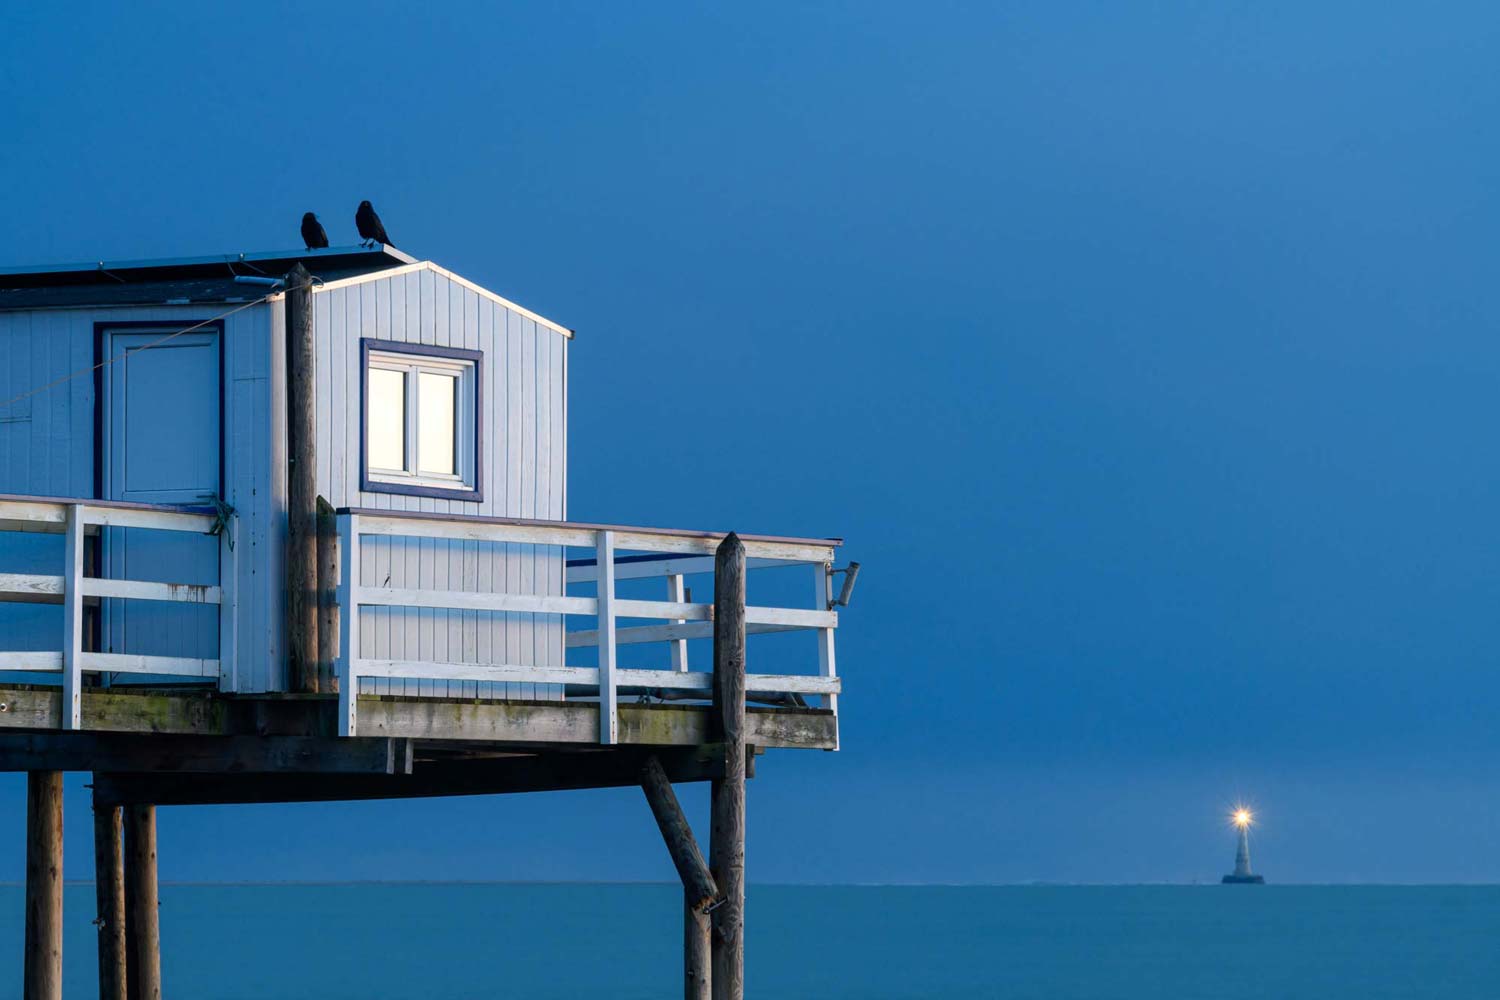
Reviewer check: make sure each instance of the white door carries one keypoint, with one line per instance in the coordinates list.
(161, 443)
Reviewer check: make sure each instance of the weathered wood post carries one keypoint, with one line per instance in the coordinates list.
(727, 836)
(302, 525)
(109, 898)
(699, 889)
(143, 930)
(42, 970)
(328, 597)
(697, 950)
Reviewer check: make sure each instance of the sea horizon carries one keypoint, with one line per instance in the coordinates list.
(792, 884)
(548, 939)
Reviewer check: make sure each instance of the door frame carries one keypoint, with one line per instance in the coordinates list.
(102, 330)
(94, 546)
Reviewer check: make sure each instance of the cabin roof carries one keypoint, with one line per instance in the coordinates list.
(214, 278)
(267, 263)
(181, 280)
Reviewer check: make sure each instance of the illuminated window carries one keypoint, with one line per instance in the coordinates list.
(421, 420)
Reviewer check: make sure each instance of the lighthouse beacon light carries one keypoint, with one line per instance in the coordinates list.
(1241, 817)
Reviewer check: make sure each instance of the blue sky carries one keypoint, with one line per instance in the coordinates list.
(1144, 355)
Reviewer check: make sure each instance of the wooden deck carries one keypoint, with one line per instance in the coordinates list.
(502, 724)
(462, 681)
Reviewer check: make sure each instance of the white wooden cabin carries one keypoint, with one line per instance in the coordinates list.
(143, 405)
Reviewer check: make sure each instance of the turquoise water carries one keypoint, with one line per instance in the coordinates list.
(623, 941)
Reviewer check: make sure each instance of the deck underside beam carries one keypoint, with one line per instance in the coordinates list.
(530, 724)
(218, 755)
(485, 776)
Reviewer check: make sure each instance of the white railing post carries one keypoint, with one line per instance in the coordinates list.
(348, 623)
(72, 638)
(229, 572)
(677, 592)
(609, 723)
(827, 667)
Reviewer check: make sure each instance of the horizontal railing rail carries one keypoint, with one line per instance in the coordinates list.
(76, 520)
(669, 554)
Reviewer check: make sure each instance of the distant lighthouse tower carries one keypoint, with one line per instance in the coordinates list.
(1242, 874)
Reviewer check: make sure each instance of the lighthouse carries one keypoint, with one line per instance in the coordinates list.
(1242, 875)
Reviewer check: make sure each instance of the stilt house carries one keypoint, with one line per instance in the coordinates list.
(289, 526)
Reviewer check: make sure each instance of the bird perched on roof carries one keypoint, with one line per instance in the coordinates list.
(369, 225)
(313, 234)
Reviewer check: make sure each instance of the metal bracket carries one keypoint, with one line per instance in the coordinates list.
(851, 573)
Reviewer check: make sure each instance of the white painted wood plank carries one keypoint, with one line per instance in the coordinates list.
(797, 617)
(530, 473)
(643, 540)
(32, 661)
(33, 516)
(682, 566)
(407, 552)
(827, 666)
(349, 554)
(559, 430)
(530, 534)
(471, 622)
(677, 594)
(636, 635)
(551, 533)
(408, 621)
(493, 672)
(156, 520)
(515, 555)
(426, 332)
(139, 590)
(671, 680)
(542, 377)
(609, 726)
(31, 588)
(133, 663)
(72, 635)
(472, 600)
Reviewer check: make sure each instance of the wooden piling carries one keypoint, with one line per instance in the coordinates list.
(681, 845)
(698, 887)
(109, 896)
(696, 951)
(727, 834)
(328, 597)
(42, 971)
(143, 961)
(302, 527)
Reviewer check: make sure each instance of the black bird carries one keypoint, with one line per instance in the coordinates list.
(312, 233)
(369, 225)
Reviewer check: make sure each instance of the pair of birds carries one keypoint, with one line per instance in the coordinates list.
(371, 229)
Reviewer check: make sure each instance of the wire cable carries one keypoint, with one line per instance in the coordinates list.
(155, 343)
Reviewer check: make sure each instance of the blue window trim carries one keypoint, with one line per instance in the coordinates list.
(368, 485)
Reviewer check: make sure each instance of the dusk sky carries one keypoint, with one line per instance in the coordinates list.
(1142, 354)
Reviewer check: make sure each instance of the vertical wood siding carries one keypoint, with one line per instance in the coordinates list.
(47, 448)
(523, 465)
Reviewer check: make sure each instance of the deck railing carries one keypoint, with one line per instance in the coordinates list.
(76, 520)
(612, 554)
(666, 554)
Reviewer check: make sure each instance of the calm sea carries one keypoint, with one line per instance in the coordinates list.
(623, 941)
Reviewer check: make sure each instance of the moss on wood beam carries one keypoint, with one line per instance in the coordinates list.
(532, 723)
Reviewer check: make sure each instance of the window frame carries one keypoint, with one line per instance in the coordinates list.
(468, 422)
